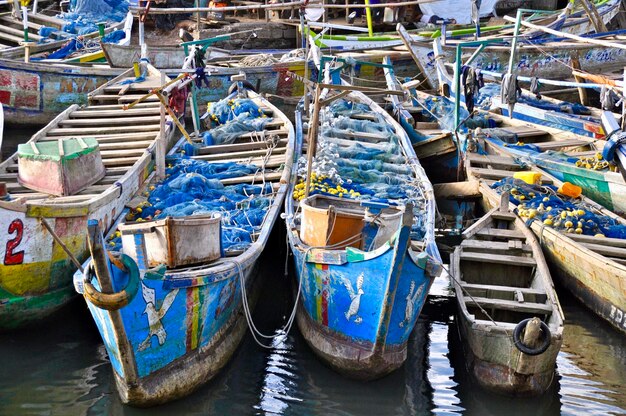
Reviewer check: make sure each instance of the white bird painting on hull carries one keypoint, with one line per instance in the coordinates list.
(411, 298)
(355, 297)
(154, 315)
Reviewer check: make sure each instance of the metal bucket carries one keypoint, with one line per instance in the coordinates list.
(174, 241)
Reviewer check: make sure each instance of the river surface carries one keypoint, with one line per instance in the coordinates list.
(60, 367)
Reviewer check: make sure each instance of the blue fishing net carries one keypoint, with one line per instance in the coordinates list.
(490, 90)
(84, 14)
(375, 169)
(569, 215)
(193, 187)
(444, 109)
(233, 117)
(114, 36)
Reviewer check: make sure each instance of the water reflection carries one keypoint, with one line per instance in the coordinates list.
(60, 368)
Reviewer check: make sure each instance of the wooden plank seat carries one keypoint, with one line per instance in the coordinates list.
(493, 160)
(223, 148)
(509, 305)
(498, 233)
(116, 121)
(495, 246)
(100, 107)
(481, 287)
(560, 144)
(498, 174)
(258, 178)
(498, 258)
(524, 132)
(242, 154)
(122, 99)
(108, 138)
(94, 130)
(132, 112)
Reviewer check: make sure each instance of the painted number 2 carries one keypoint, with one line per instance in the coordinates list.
(10, 256)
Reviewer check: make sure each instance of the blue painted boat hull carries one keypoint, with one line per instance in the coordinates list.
(369, 342)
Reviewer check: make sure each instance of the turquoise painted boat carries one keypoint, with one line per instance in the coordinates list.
(363, 240)
(173, 299)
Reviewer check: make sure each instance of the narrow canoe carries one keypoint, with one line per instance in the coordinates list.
(181, 325)
(592, 268)
(359, 303)
(36, 272)
(502, 281)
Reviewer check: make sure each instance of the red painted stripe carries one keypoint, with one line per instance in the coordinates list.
(189, 322)
(325, 300)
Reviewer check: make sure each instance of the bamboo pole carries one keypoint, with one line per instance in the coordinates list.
(280, 6)
(160, 146)
(598, 79)
(592, 41)
(312, 139)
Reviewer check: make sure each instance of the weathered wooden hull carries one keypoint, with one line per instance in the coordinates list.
(492, 359)
(166, 56)
(596, 281)
(34, 93)
(36, 274)
(352, 344)
(551, 61)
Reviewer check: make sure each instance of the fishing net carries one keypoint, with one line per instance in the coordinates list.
(376, 171)
(233, 117)
(85, 14)
(193, 187)
(490, 90)
(569, 215)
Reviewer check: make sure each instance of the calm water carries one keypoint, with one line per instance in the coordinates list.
(60, 368)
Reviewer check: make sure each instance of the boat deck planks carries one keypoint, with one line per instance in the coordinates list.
(121, 144)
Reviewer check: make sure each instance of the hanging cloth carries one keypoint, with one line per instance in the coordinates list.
(471, 85)
(608, 98)
(178, 99)
(535, 86)
(509, 91)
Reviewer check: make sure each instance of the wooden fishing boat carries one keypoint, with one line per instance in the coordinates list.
(547, 111)
(549, 58)
(168, 330)
(567, 20)
(40, 230)
(510, 320)
(592, 267)
(435, 148)
(569, 156)
(35, 93)
(12, 42)
(361, 282)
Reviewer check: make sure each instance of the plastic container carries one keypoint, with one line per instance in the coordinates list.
(531, 178)
(571, 190)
